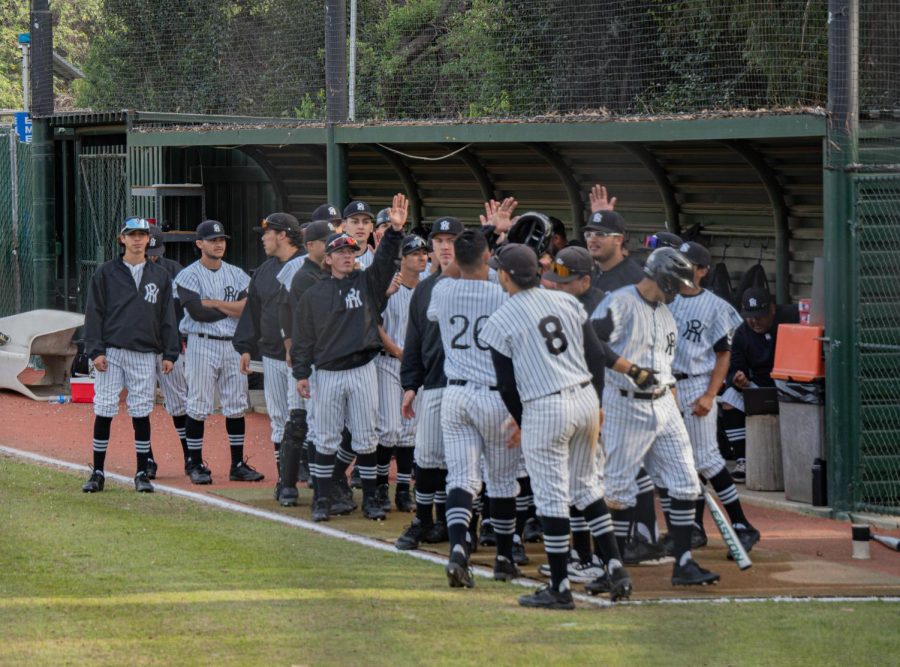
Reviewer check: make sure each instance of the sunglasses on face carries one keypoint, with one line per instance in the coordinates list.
(590, 234)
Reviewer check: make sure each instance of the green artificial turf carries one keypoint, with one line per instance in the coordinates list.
(120, 578)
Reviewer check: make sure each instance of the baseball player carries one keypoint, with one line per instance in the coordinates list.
(129, 321)
(213, 294)
(541, 344)
(396, 434)
(422, 370)
(472, 412)
(706, 324)
(259, 331)
(382, 223)
(359, 223)
(339, 335)
(173, 384)
(329, 213)
(646, 425)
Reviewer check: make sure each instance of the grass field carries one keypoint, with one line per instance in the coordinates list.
(121, 578)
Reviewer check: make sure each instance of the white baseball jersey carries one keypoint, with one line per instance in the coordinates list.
(643, 333)
(224, 284)
(365, 260)
(396, 314)
(541, 331)
(461, 308)
(703, 320)
(286, 274)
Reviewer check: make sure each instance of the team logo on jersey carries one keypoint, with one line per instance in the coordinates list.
(670, 343)
(150, 292)
(352, 299)
(693, 330)
(230, 294)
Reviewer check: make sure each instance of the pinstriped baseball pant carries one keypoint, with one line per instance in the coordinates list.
(472, 419)
(559, 440)
(429, 436)
(346, 399)
(127, 369)
(392, 429)
(652, 432)
(210, 364)
(701, 430)
(280, 392)
(173, 386)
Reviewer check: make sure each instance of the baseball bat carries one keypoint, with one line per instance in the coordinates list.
(892, 543)
(735, 548)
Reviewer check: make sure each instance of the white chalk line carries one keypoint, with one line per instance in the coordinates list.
(483, 572)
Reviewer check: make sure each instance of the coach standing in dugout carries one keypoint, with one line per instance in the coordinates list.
(259, 328)
(338, 335)
(129, 320)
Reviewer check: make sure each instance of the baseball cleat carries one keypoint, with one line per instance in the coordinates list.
(412, 536)
(619, 584)
(518, 553)
(599, 585)
(142, 483)
(459, 575)
(403, 501)
(578, 571)
(200, 474)
(748, 536)
(321, 509)
(505, 570)
(278, 487)
(639, 550)
(303, 472)
(288, 496)
(691, 574)
(342, 492)
(739, 474)
(95, 483)
(340, 505)
(151, 469)
(547, 598)
(187, 467)
(487, 539)
(372, 508)
(242, 472)
(382, 497)
(533, 531)
(436, 534)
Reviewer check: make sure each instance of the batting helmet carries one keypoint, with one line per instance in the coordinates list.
(669, 269)
(411, 243)
(383, 217)
(533, 230)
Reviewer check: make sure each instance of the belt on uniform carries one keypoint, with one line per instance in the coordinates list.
(681, 376)
(463, 383)
(211, 337)
(645, 395)
(581, 386)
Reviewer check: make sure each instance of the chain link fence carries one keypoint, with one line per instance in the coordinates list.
(16, 272)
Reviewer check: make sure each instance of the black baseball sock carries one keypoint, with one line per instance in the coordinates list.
(581, 535)
(622, 526)
(440, 498)
(504, 515)
(734, 423)
(682, 520)
(311, 461)
(141, 441)
(600, 523)
(322, 471)
(699, 509)
(556, 546)
(345, 455)
(459, 513)
(383, 464)
(427, 480)
(235, 428)
(367, 467)
(102, 427)
(485, 507)
(523, 504)
(404, 456)
(645, 509)
(666, 504)
(179, 422)
(727, 493)
(193, 432)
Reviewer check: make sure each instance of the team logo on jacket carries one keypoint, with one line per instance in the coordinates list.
(352, 299)
(150, 292)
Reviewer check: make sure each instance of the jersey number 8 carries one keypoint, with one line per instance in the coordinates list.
(551, 329)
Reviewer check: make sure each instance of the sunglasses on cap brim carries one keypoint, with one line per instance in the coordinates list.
(135, 225)
(343, 242)
(563, 271)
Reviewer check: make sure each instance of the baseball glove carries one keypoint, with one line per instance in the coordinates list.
(644, 378)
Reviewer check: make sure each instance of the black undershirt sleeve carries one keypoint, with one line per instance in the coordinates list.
(198, 312)
(722, 345)
(598, 356)
(506, 384)
(603, 328)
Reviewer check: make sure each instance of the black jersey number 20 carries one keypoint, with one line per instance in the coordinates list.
(458, 340)
(552, 331)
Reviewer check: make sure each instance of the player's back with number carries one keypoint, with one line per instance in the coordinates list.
(543, 330)
(461, 308)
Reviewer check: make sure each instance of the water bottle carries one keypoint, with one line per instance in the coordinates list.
(61, 398)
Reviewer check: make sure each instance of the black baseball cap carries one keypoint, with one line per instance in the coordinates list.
(319, 230)
(570, 263)
(156, 246)
(695, 253)
(326, 212)
(755, 301)
(412, 243)
(357, 208)
(446, 225)
(282, 222)
(339, 241)
(211, 229)
(606, 221)
(517, 259)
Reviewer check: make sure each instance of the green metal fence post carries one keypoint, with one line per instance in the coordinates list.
(336, 158)
(42, 223)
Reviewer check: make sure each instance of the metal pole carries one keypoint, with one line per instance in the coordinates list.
(336, 98)
(351, 87)
(842, 395)
(65, 221)
(14, 186)
(26, 74)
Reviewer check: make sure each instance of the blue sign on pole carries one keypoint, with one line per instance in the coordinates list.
(23, 126)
